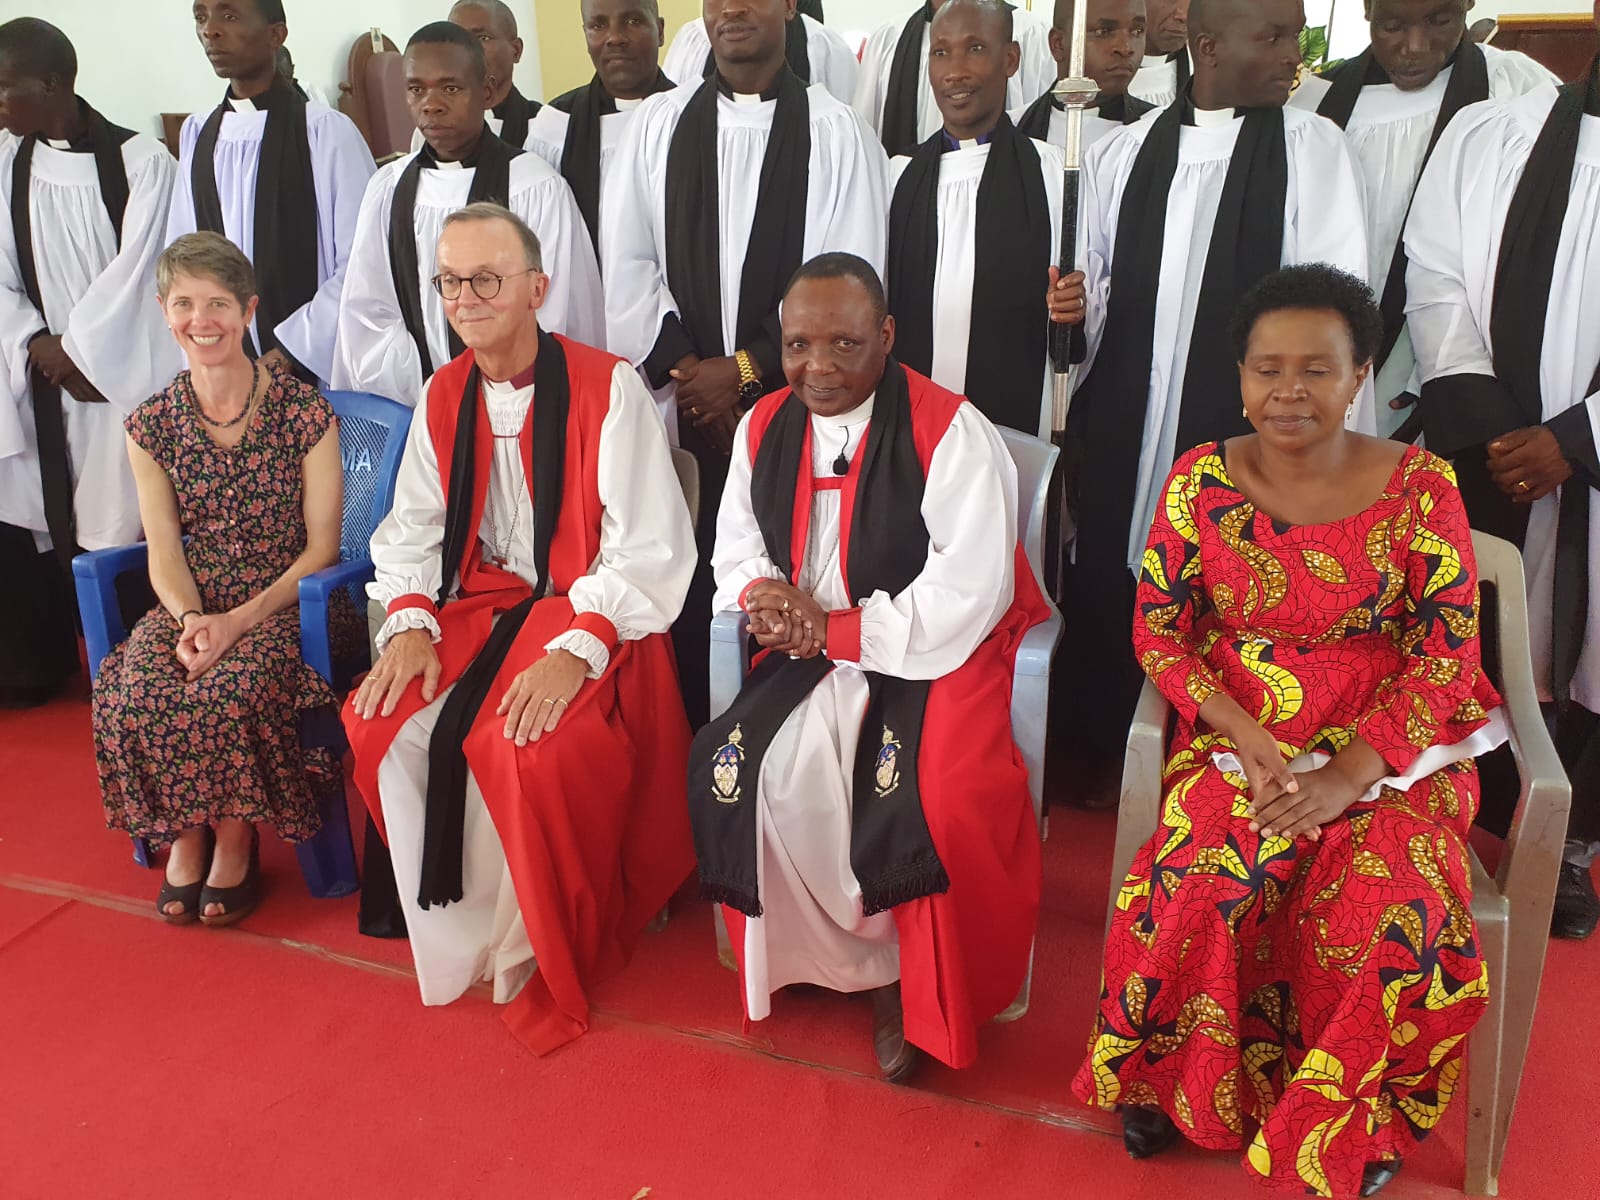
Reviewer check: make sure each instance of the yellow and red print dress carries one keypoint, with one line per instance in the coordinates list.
(1304, 1000)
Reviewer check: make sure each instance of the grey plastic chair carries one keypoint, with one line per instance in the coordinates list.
(1511, 907)
(1035, 461)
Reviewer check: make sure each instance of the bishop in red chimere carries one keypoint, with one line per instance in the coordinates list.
(861, 809)
(521, 739)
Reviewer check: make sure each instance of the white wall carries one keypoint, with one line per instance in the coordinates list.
(140, 58)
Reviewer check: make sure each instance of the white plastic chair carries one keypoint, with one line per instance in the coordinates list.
(1030, 690)
(1511, 907)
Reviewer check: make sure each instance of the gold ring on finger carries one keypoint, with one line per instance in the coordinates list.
(1522, 485)
(563, 703)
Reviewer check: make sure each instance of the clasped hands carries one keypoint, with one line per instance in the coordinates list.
(708, 397)
(533, 705)
(1285, 803)
(206, 637)
(785, 619)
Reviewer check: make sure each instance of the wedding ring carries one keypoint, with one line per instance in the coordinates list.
(1522, 485)
(563, 703)
(785, 606)
(693, 411)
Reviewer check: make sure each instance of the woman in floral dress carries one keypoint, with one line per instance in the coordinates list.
(1292, 966)
(196, 715)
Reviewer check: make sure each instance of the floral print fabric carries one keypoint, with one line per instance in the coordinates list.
(173, 755)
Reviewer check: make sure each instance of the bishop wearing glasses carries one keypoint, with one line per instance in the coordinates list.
(521, 738)
(393, 334)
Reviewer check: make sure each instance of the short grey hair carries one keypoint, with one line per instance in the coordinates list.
(485, 210)
(210, 256)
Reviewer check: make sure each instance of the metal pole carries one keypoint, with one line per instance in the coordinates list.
(1076, 93)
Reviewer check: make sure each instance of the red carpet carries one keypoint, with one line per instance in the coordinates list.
(291, 1057)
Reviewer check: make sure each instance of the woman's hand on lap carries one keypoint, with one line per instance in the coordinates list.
(1323, 795)
(206, 638)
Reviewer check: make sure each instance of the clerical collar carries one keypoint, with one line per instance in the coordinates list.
(953, 143)
(1156, 60)
(431, 160)
(725, 89)
(265, 102)
(1210, 118)
(856, 416)
(58, 143)
(519, 381)
(627, 105)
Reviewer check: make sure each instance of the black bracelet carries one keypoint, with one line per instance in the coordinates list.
(187, 612)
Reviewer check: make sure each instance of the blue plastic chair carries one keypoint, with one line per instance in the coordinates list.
(1035, 461)
(372, 437)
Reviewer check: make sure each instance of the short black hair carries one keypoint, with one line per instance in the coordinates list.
(1316, 286)
(839, 265)
(39, 49)
(499, 14)
(443, 33)
(997, 8)
(272, 12)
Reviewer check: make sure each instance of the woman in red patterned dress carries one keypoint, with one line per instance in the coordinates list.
(1292, 967)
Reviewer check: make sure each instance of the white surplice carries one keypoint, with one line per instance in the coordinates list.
(833, 63)
(1036, 72)
(847, 205)
(102, 302)
(1388, 132)
(341, 164)
(375, 352)
(637, 583)
(1453, 243)
(960, 176)
(812, 929)
(1156, 80)
(1323, 222)
(547, 135)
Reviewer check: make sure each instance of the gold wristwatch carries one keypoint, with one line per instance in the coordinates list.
(750, 389)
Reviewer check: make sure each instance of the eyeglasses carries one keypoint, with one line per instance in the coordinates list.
(485, 284)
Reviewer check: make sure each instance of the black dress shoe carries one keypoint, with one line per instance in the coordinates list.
(1146, 1131)
(897, 1058)
(1377, 1175)
(1577, 909)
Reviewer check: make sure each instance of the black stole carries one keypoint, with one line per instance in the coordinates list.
(1124, 109)
(1012, 250)
(580, 154)
(1246, 244)
(285, 208)
(796, 51)
(899, 129)
(516, 113)
(445, 816)
(777, 238)
(105, 141)
(491, 180)
(1468, 83)
(1184, 70)
(1528, 249)
(891, 852)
